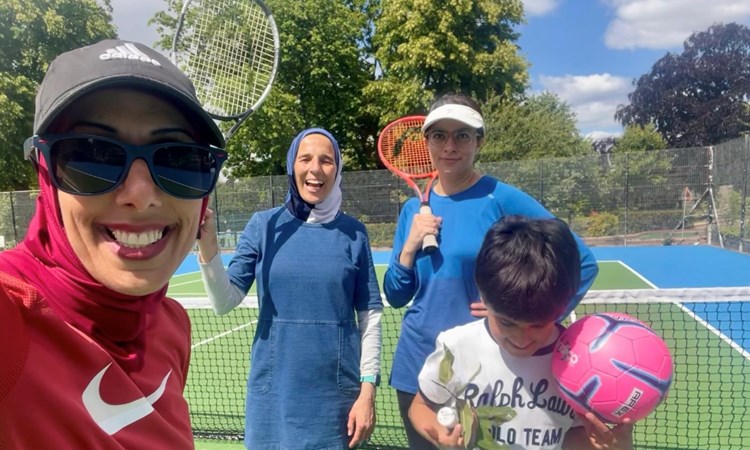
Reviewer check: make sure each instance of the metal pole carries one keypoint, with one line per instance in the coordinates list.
(627, 197)
(746, 148)
(13, 218)
(541, 181)
(216, 209)
(391, 178)
(709, 220)
(270, 187)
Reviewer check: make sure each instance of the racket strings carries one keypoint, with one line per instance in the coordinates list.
(404, 147)
(229, 51)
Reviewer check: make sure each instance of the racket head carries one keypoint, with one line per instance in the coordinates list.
(230, 51)
(402, 148)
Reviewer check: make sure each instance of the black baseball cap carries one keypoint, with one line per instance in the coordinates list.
(117, 63)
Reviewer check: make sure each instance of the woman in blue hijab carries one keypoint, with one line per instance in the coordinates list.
(316, 351)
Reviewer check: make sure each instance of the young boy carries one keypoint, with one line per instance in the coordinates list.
(527, 270)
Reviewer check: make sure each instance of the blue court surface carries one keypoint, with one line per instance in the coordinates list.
(692, 266)
(675, 267)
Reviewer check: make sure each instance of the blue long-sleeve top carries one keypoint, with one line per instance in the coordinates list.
(441, 285)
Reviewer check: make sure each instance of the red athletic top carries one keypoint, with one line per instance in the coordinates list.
(61, 390)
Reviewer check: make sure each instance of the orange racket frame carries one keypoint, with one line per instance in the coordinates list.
(402, 148)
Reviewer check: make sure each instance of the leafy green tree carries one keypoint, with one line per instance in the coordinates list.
(641, 167)
(322, 72)
(425, 48)
(32, 33)
(352, 66)
(639, 139)
(16, 102)
(698, 97)
(259, 147)
(541, 126)
(534, 144)
(555, 182)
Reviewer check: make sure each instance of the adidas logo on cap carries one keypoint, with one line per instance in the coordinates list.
(127, 51)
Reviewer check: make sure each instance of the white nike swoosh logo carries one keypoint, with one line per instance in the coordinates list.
(113, 418)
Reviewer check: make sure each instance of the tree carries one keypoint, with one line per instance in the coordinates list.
(17, 105)
(640, 166)
(321, 75)
(698, 97)
(32, 33)
(531, 142)
(542, 126)
(426, 48)
(639, 139)
(352, 66)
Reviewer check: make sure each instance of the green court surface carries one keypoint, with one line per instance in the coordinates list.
(190, 285)
(615, 275)
(709, 383)
(612, 275)
(214, 444)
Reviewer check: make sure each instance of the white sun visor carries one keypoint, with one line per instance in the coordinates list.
(461, 113)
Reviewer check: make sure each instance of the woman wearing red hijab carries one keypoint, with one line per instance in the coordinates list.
(94, 354)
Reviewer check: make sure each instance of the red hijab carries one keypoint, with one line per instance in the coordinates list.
(46, 260)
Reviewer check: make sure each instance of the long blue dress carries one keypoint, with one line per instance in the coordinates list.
(304, 371)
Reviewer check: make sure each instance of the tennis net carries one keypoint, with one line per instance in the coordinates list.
(707, 330)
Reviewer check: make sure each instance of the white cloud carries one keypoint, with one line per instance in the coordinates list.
(540, 7)
(593, 98)
(131, 19)
(665, 24)
(599, 135)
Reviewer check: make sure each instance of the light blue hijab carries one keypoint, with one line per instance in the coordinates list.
(326, 210)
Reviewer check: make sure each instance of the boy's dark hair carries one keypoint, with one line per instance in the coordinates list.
(528, 269)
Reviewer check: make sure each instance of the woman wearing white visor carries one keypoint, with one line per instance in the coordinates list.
(464, 205)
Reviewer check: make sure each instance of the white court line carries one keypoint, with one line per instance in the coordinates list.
(715, 331)
(638, 274)
(183, 283)
(221, 335)
(171, 284)
(729, 341)
(251, 301)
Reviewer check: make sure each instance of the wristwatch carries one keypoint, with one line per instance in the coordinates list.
(374, 379)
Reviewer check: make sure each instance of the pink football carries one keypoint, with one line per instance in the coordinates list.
(613, 365)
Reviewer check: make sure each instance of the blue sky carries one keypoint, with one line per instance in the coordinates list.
(586, 51)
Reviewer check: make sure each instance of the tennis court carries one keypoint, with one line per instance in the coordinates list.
(696, 297)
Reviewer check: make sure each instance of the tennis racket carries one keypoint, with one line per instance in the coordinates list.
(230, 51)
(403, 150)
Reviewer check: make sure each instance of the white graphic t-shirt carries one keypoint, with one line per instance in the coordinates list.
(522, 383)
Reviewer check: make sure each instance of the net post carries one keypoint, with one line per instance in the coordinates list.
(627, 198)
(745, 150)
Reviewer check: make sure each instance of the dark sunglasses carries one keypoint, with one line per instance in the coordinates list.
(83, 164)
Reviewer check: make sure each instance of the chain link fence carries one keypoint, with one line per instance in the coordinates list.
(667, 197)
